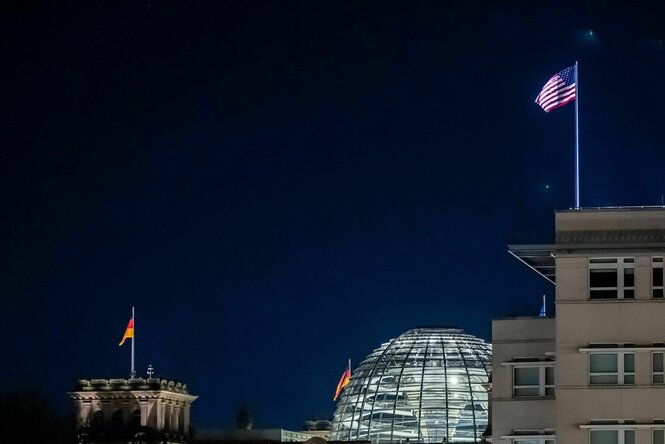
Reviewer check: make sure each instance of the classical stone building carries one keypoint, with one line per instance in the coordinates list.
(132, 410)
(595, 373)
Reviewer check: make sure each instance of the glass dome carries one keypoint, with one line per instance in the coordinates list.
(427, 385)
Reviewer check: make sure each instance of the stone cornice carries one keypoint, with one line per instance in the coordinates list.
(131, 389)
(610, 236)
(133, 395)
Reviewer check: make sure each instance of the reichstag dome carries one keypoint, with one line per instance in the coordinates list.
(427, 385)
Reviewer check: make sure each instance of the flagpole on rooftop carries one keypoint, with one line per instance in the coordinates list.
(577, 138)
(133, 371)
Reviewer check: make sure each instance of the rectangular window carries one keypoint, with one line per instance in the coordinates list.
(612, 368)
(533, 381)
(612, 278)
(612, 436)
(659, 437)
(657, 374)
(534, 441)
(657, 277)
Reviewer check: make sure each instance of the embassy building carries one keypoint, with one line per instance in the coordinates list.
(595, 373)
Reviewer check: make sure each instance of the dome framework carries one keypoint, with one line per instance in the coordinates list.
(427, 385)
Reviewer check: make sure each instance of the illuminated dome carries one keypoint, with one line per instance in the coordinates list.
(425, 386)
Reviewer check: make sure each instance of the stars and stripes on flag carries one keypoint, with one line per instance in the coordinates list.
(559, 90)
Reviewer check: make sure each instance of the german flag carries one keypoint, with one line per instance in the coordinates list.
(343, 381)
(129, 332)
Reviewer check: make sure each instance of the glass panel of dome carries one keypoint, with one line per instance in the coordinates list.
(430, 389)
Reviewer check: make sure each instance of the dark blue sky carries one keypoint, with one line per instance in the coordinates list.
(280, 186)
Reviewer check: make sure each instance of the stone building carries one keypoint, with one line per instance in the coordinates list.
(595, 373)
(132, 410)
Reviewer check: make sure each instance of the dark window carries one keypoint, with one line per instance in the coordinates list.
(98, 419)
(612, 278)
(117, 420)
(657, 277)
(136, 418)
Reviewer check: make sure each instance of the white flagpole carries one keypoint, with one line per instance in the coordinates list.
(577, 139)
(133, 371)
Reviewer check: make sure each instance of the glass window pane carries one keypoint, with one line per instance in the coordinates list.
(629, 294)
(604, 437)
(628, 277)
(657, 362)
(659, 437)
(603, 277)
(629, 437)
(658, 294)
(603, 363)
(629, 379)
(604, 379)
(526, 376)
(529, 391)
(658, 277)
(628, 362)
(549, 375)
(603, 294)
(657, 379)
(549, 391)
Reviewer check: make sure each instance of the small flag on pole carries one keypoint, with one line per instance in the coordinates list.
(543, 312)
(559, 90)
(343, 381)
(129, 332)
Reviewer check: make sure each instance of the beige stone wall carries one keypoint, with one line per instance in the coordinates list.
(581, 322)
(519, 338)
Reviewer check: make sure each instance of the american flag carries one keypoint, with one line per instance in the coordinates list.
(558, 90)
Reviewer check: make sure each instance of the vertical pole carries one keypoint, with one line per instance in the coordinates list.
(577, 139)
(133, 371)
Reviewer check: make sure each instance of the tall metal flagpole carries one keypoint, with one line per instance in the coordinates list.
(133, 371)
(577, 138)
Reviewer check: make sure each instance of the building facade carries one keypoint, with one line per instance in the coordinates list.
(609, 336)
(132, 410)
(523, 407)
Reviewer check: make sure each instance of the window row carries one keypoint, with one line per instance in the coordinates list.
(614, 278)
(625, 436)
(534, 441)
(618, 368)
(622, 436)
(533, 381)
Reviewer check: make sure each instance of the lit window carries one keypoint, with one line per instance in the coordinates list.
(533, 381)
(659, 437)
(612, 278)
(657, 368)
(611, 368)
(625, 436)
(657, 277)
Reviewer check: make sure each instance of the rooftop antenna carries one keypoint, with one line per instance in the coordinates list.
(151, 371)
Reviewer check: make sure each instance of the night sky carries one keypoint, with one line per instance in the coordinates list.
(280, 186)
